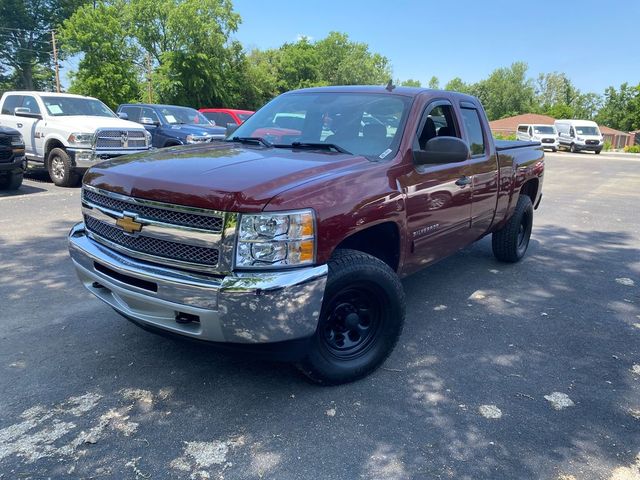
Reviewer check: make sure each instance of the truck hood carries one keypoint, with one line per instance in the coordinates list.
(198, 129)
(89, 124)
(218, 176)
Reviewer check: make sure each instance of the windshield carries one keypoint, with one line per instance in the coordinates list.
(587, 131)
(544, 129)
(244, 116)
(362, 124)
(183, 116)
(65, 106)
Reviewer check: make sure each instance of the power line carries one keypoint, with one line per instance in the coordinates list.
(8, 36)
(19, 29)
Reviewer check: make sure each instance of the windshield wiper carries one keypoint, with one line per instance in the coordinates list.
(253, 141)
(315, 146)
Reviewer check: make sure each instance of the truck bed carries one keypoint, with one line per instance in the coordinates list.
(509, 144)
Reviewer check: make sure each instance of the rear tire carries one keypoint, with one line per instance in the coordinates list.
(61, 170)
(11, 182)
(511, 242)
(360, 322)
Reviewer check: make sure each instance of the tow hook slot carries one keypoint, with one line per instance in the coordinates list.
(97, 285)
(185, 318)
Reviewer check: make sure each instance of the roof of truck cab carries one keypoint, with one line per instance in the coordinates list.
(406, 91)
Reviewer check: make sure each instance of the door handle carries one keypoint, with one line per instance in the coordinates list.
(19, 125)
(463, 181)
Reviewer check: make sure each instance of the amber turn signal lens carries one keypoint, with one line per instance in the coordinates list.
(306, 251)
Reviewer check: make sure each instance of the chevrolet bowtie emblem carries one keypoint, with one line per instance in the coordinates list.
(128, 224)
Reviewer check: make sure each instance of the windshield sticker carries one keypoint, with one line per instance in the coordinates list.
(54, 109)
(385, 153)
(170, 119)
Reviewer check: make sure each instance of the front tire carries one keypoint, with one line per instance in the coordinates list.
(11, 182)
(573, 149)
(61, 170)
(598, 152)
(360, 322)
(511, 242)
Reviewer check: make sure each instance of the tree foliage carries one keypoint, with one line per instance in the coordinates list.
(621, 108)
(25, 41)
(185, 50)
(410, 83)
(107, 69)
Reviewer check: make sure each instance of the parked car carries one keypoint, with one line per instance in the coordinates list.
(298, 247)
(13, 163)
(171, 125)
(547, 135)
(67, 133)
(226, 116)
(579, 135)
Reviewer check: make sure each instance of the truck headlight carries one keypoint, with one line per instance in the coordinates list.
(268, 240)
(580, 139)
(147, 137)
(81, 139)
(17, 141)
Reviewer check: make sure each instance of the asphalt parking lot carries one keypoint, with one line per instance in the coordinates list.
(503, 371)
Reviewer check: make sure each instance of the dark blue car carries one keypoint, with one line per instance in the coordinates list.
(171, 125)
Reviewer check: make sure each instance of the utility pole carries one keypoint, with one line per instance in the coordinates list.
(149, 85)
(55, 59)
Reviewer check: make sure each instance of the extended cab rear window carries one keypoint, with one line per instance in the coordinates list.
(473, 127)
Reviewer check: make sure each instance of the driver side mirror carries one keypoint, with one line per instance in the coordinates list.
(442, 150)
(149, 121)
(123, 116)
(25, 112)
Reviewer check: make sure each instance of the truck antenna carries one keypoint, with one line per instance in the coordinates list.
(390, 86)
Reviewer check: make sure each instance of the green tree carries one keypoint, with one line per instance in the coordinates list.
(621, 108)
(189, 41)
(506, 92)
(344, 62)
(107, 69)
(553, 89)
(25, 40)
(434, 83)
(457, 85)
(411, 83)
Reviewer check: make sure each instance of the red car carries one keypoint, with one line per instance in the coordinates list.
(223, 116)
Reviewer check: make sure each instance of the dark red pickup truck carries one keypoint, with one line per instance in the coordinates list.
(299, 237)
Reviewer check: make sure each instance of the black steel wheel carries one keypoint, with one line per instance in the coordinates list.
(360, 322)
(352, 320)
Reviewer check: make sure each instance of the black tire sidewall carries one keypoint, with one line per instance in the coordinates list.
(321, 365)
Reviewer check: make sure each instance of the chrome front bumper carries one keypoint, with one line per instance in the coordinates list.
(245, 308)
(86, 158)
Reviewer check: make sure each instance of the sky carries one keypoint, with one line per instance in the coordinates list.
(596, 43)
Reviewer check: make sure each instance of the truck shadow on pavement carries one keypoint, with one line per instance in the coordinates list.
(89, 394)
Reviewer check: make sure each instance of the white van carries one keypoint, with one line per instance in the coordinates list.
(578, 135)
(547, 135)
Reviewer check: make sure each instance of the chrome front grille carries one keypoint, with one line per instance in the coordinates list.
(175, 217)
(153, 246)
(162, 233)
(120, 139)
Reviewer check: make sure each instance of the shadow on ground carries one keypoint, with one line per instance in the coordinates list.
(478, 332)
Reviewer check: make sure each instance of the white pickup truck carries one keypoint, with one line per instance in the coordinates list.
(66, 134)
